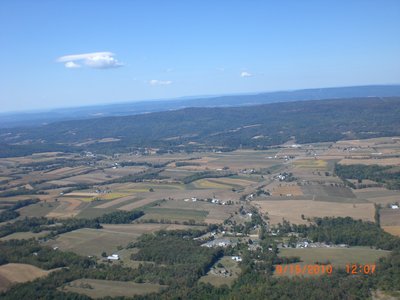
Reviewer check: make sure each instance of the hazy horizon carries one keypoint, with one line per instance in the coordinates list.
(185, 97)
(131, 51)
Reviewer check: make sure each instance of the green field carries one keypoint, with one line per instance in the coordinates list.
(39, 209)
(88, 241)
(96, 288)
(23, 235)
(311, 163)
(337, 257)
(174, 214)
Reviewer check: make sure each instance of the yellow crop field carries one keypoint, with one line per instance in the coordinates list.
(394, 230)
(208, 184)
(292, 210)
(15, 273)
(311, 163)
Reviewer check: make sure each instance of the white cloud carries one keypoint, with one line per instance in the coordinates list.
(72, 65)
(160, 82)
(97, 60)
(245, 74)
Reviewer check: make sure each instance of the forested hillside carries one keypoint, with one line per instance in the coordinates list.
(251, 126)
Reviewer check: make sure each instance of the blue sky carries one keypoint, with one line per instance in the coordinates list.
(72, 53)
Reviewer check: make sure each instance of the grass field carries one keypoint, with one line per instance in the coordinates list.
(174, 214)
(284, 190)
(118, 202)
(214, 279)
(88, 241)
(96, 288)
(338, 257)
(67, 208)
(214, 213)
(291, 210)
(390, 217)
(23, 235)
(311, 164)
(371, 161)
(15, 273)
(210, 184)
(39, 209)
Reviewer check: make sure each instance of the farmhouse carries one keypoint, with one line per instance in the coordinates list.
(236, 258)
(394, 206)
(113, 257)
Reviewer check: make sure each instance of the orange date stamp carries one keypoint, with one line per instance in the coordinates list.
(359, 269)
(317, 269)
(296, 269)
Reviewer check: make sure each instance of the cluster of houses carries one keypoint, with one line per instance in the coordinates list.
(89, 154)
(102, 192)
(220, 242)
(307, 244)
(213, 200)
(247, 171)
(281, 177)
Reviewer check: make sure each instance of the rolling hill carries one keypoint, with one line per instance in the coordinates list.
(203, 128)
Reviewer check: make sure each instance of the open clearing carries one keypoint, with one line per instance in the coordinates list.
(199, 211)
(23, 235)
(16, 273)
(395, 161)
(174, 214)
(88, 241)
(284, 190)
(216, 276)
(222, 183)
(210, 184)
(394, 230)
(390, 217)
(117, 202)
(311, 164)
(338, 257)
(96, 288)
(291, 210)
(67, 208)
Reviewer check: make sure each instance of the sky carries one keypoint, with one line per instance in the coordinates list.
(68, 53)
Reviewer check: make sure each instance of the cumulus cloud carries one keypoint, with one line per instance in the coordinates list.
(245, 74)
(72, 65)
(97, 60)
(160, 82)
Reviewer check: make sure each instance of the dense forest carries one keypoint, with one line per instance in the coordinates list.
(386, 175)
(10, 211)
(180, 262)
(228, 127)
(56, 227)
(344, 231)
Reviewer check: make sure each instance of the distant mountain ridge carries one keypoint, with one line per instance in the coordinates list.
(134, 108)
(205, 128)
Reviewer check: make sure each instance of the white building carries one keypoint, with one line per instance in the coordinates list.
(113, 257)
